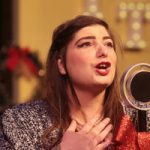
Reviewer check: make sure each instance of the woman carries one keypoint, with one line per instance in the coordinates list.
(82, 109)
(83, 55)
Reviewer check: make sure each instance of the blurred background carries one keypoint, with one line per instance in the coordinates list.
(26, 28)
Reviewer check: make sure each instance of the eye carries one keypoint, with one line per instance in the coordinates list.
(84, 44)
(109, 44)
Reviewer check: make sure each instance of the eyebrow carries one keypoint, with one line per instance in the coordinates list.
(91, 37)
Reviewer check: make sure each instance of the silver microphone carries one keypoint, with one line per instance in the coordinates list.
(135, 93)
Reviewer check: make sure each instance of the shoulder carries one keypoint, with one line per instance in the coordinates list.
(25, 123)
(30, 105)
(27, 111)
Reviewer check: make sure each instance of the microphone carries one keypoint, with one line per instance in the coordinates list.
(135, 93)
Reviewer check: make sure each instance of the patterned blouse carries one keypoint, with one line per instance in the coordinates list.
(22, 127)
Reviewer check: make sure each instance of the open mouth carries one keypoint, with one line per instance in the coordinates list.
(103, 68)
(103, 65)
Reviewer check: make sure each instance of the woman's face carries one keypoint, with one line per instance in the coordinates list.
(90, 58)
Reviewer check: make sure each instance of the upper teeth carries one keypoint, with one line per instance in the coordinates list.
(102, 65)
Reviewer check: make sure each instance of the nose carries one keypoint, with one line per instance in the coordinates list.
(101, 51)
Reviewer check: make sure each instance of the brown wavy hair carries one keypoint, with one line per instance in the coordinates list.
(56, 84)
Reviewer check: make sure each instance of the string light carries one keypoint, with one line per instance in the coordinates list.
(99, 15)
(136, 36)
(142, 44)
(123, 14)
(131, 6)
(130, 44)
(136, 25)
(91, 8)
(136, 12)
(140, 6)
(147, 15)
(123, 5)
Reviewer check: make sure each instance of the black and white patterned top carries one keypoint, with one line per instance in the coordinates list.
(22, 126)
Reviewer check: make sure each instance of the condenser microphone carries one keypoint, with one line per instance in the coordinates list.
(135, 86)
(135, 92)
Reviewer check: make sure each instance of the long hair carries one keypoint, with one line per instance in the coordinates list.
(56, 93)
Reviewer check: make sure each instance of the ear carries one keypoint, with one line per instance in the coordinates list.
(61, 67)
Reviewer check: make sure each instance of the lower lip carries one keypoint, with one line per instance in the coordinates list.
(103, 72)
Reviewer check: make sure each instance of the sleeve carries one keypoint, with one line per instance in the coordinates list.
(23, 126)
(4, 143)
(17, 130)
(144, 140)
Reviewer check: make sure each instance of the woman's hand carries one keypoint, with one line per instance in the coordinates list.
(95, 135)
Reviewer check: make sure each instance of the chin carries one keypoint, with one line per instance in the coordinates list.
(101, 85)
(105, 82)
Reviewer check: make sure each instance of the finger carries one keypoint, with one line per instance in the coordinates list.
(109, 137)
(106, 143)
(89, 125)
(100, 126)
(104, 134)
(103, 145)
(72, 126)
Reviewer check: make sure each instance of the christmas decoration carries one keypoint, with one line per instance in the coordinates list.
(20, 61)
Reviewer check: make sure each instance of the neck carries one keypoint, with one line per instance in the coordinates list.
(90, 105)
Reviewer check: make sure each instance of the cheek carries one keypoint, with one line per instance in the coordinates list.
(114, 58)
(77, 64)
(114, 62)
(75, 61)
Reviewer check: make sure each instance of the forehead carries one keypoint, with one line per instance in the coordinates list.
(93, 30)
